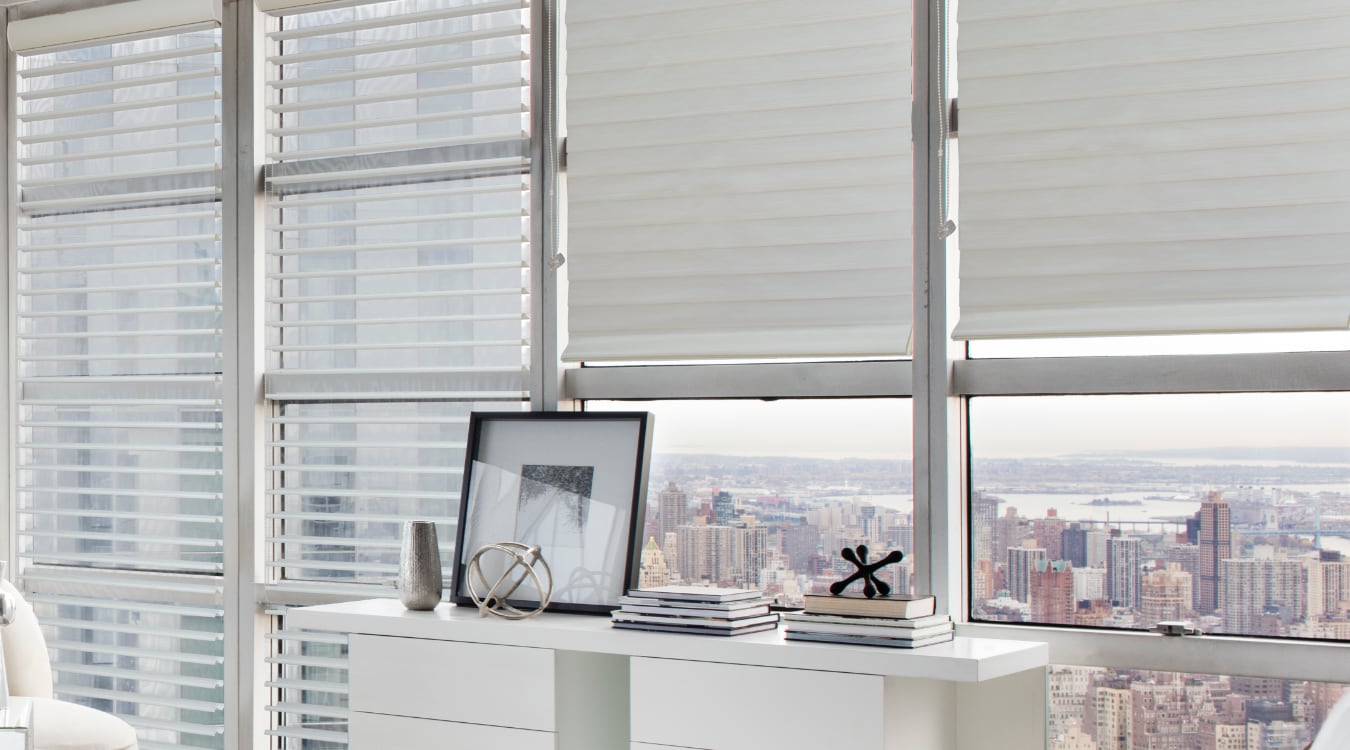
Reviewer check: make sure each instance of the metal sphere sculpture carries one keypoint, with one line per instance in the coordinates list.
(522, 563)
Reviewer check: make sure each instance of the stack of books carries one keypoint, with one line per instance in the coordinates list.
(695, 609)
(894, 621)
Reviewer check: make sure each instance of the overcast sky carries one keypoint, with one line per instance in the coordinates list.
(1003, 427)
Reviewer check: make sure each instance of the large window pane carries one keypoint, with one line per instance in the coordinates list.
(764, 494)
(1229, 511)
(1093, 708)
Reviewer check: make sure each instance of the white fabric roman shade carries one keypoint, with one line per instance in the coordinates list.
(1135, 167)
(739, 179)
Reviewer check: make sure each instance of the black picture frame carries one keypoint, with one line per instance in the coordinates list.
(573, 483)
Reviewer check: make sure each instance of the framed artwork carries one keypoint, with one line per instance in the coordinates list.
(572, 484)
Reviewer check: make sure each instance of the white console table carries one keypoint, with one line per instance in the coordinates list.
(452, 679)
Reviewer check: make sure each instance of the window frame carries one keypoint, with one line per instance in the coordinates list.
(940, 380)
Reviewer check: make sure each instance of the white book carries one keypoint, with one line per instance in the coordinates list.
(891, 622)
(696, 593)
(651, 601)
(674, 608)
(912, 634)
(702, 622)
(862, 640)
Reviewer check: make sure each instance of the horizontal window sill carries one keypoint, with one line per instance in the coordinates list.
(1204, 654)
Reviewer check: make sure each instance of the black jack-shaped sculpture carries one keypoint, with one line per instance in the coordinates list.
(866, 571)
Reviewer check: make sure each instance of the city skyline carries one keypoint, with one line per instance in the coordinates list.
(1099, 541)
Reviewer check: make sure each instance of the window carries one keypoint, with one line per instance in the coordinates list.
(401, 188)
(739, 206)
(1126, 511)
(763, 495)
(119, 472)
(1119, 477)
(399, 268)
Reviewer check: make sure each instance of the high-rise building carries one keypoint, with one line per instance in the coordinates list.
(1111, 716)
(670, 546)
(798, 542)
(1010, 530)
(673, 505)
(704, 553)
(1073, 542)
(1096, 548)
(983, 519)
(1051, 592)
(1187, 557)
(1335, 584)
(1067, 691)
(1089, 584)
(1072, 737)
(1123, 574)
(724, 508)
(1215, 540)
(1161, 716)
(1021, 561)
(1165, 595)
(653, 571)
(1261, 594)
(1049, 534)
(1215, 735)
(749, 554)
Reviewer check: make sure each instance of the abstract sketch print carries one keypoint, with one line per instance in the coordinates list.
(554, 505)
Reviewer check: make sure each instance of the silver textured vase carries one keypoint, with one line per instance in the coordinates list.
(419, 566)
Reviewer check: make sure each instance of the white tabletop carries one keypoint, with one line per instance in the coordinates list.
(960, 660)
(19, 714)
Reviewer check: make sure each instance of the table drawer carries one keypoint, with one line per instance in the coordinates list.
(724, 706)
(503, 686)
(380, 732)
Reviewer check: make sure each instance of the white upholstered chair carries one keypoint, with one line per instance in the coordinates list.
(57, 725)
(1335, 731)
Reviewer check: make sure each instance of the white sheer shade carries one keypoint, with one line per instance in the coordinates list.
(739, 179)
(108, 22)
(1131, 167)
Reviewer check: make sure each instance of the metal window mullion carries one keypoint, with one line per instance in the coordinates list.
(939, 451)
(8, 314)
(246, 696)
